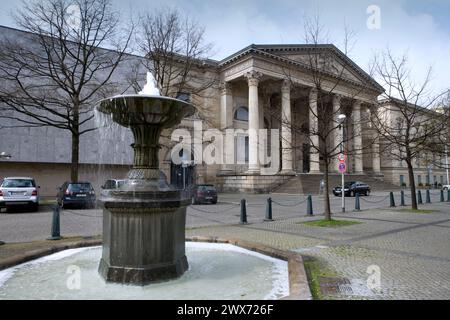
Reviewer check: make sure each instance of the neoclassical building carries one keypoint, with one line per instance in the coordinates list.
(273, 87)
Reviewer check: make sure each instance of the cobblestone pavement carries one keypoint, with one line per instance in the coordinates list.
(411, 249)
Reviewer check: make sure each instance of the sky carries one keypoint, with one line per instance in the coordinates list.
(420, 28)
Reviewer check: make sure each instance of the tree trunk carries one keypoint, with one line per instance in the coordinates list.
(412, 185)
(75, 157)
(327, 211)
(75, 141)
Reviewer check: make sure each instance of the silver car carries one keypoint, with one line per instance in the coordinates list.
(19, 191)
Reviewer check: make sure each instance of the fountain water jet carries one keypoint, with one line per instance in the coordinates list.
(144, 220)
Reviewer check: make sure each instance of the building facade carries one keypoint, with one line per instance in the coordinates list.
(259, 87)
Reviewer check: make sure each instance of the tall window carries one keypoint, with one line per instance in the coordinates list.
(241, 114)
(402, 179)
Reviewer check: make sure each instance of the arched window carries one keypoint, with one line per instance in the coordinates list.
(241, 114)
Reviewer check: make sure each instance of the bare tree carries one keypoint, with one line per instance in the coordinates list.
(54, 76)
(327, 76)
(406, 121)
(176, 52)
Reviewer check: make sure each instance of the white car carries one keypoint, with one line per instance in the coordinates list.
(19, 191)
(446, 187)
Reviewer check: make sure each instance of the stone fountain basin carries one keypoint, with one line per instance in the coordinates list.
(138, 109)
(217, 271)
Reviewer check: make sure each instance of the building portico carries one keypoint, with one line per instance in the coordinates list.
(278, 92)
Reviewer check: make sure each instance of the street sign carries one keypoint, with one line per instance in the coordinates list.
(342, 157)
(342, 167)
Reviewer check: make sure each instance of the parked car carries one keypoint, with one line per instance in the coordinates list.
(111, 184)
(204, 193)
(80, 194)
(351, 188)
(19, 191)
(446, 187)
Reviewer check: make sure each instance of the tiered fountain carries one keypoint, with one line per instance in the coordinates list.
(144, 221)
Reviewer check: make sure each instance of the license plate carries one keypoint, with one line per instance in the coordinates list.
(18, 193)
(208, 198)
(81, 195)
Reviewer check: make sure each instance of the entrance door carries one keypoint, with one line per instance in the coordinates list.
(305, 151)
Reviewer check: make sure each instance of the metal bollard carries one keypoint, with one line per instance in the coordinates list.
(243, 212)
(55, 224)
(428, 197)
(442, 195)
(357, 206)
(448, 195)
(392, 200)
(269, 210)
(419, 197)
(309, 207)
(402, 198)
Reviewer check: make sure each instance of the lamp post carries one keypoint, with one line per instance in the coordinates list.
(446, 160)
(341, 119)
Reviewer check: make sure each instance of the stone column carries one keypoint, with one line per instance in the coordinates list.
(253, 121)
(376, 161)
(357, 136)
(337, 135)
(314, 164)
(286, 128)
(226, 122)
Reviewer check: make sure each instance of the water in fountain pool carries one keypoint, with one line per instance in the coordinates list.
(217, 271)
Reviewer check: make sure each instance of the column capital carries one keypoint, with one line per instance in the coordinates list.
(337, 99)
(225, 88)
(357, 104)
(313, 94)
(286, 86)
(253, 77)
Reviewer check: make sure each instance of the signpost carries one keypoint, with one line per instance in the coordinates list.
(342, 168)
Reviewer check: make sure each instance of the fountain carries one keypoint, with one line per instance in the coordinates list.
(144, 234)
(144, 220)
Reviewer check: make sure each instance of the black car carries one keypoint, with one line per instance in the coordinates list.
(79, 194)
(352, 188)
(204, 193)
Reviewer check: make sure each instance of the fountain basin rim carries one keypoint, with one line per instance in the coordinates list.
(145, 96)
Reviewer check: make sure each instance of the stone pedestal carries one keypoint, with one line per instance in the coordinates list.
(144, 236)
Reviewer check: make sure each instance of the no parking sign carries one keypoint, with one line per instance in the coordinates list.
(342, 167)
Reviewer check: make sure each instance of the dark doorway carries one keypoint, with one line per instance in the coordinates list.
(305, 157)
(182, 176)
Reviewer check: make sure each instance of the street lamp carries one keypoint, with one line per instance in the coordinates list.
(4, 155)
(446, 159)
(341, 118)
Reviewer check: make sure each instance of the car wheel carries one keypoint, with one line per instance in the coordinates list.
(35, 207)
(214, 202)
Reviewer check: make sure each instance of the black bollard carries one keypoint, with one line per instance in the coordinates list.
(428, 197)
(269, 210)
(402, 198)
(309, 207)
(357, 206)
(419, 197)
(392, 200)
(243, 212)
(55, 224)
(442, 195)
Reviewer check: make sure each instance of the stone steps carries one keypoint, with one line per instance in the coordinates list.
(310, 183)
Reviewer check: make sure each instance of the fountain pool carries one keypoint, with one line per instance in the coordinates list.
(216, 271)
